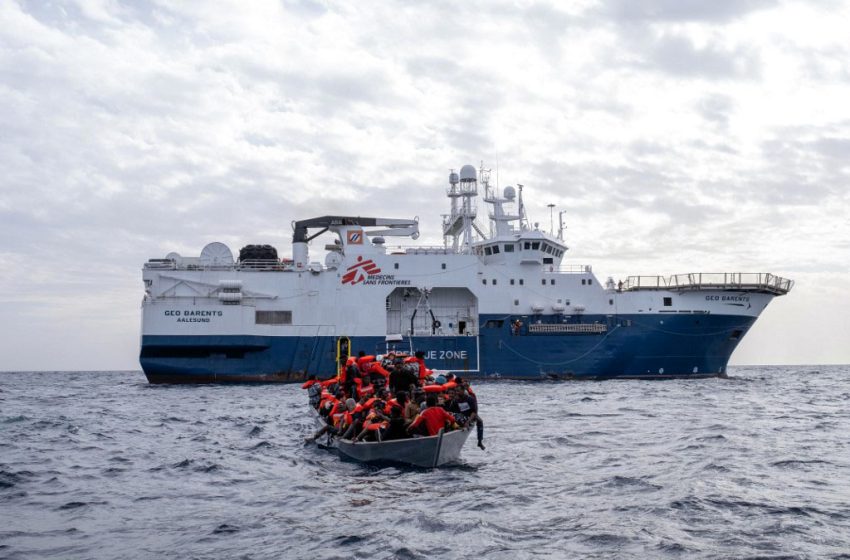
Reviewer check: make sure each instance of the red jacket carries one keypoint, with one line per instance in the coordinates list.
(435, 418)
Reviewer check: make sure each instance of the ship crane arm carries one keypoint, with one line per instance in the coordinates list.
(400, 226)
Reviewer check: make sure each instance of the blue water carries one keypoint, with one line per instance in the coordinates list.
(103, 465)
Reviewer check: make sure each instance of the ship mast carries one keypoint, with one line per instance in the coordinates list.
(458, 225)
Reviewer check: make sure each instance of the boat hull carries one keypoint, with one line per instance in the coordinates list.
(630, 346)
(427, 452)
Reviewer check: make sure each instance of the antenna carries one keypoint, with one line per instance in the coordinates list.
(551, 219)
(561, 224)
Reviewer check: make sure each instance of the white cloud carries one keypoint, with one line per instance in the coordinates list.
(678, 135)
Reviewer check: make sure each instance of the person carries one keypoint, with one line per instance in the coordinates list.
(352, 372)
(396, 428)
(424, 372)
(465, 409)
(375, 423)
(515, 327)
(314, 391)
(411, 408)
(433, 419)
(378, 375)
(403, 378)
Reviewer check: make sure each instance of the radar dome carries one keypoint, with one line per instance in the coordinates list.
(216, 254)
(453, 178)
(468, 174)
(510, 193)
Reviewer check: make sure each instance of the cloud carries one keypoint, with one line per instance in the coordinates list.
(676, 135)
(717, 11)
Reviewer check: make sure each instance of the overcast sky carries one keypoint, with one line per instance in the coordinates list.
(678, 135)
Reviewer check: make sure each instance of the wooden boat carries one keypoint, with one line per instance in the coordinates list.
(433, 451)
(428, 452)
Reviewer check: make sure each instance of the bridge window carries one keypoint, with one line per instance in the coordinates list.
(488, 251)
(535, 245)
(509, 248)
(273, 317)
(527, 245)
(547, 260)
(495, 249)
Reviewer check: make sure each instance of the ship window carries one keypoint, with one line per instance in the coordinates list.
(395, 266)
(551, 281)
(493, 281)
(549, 249)
(589, 281)
(273, 317)
(535, 245)
(512, 281)
(516, 302)
(494, 324)
(495, 249)
(543, 281)
(444, 266)
(547, 260)
(610, 302)
(583, 281)
(521, 281)
(509, 248)
(668, 301)
(488, 251)
(484, 281)
(528, 245)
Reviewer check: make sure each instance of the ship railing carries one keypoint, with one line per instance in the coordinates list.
(252, 264)
(728, 281)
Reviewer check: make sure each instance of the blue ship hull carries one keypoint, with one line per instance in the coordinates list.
(633, 346)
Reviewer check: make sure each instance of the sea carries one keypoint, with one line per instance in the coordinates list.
(104, 465)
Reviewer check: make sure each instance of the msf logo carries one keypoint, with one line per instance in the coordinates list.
(359, 271)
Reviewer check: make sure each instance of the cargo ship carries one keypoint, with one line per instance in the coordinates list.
(496, 300)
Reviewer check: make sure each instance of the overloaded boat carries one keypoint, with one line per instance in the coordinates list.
(495, 300)
(430, 451)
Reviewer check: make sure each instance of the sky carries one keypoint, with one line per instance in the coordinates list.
(676, 135)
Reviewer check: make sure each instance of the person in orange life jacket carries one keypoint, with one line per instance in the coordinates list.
(434, 418)
(378, 375)
(330, 409)
(465, 409)
(352, 421)
(351, 372)
(375, 421)
(363, 388)
(420, 359)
